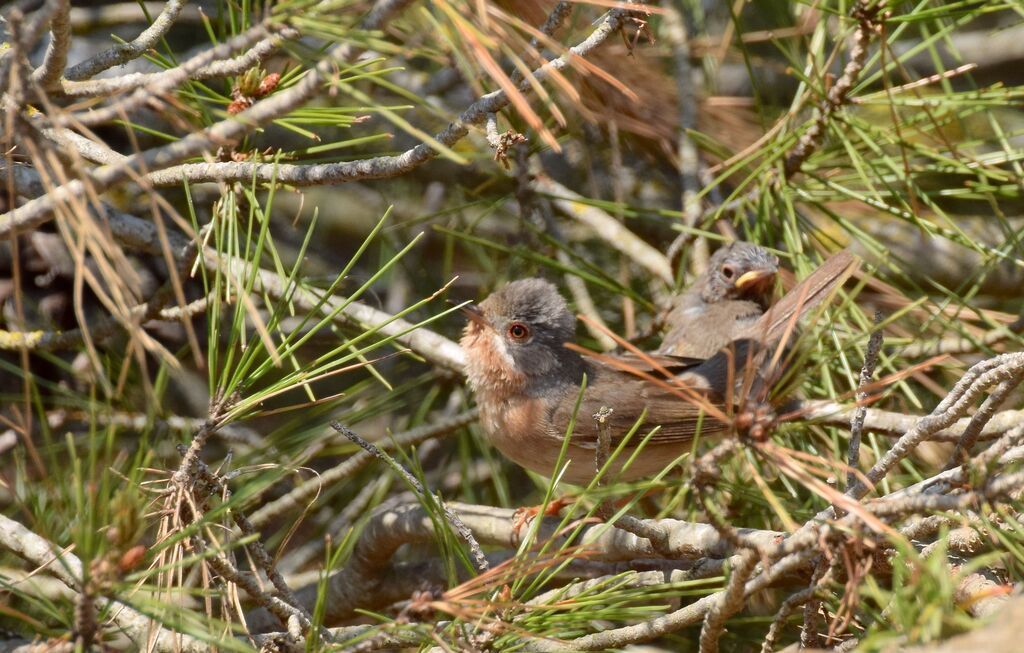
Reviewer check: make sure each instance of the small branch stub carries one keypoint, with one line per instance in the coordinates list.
(506, 142)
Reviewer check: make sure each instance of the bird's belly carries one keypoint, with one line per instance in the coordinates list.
(521, 430)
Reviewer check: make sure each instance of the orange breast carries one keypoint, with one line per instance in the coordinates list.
(519, 428)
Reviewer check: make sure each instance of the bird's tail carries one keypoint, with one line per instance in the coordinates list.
(778, 322)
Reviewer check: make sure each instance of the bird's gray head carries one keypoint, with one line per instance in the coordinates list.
(517, 336)
(740, 270)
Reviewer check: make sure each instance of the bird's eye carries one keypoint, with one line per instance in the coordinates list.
(728, 271)
(518, 331)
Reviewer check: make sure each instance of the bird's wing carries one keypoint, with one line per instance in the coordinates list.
(680, 410)
(656, 364)
(703, 330)
(804, 297)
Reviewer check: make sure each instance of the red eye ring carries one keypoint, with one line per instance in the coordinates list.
(518, 331)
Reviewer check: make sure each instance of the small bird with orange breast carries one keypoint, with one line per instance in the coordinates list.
(527, 383)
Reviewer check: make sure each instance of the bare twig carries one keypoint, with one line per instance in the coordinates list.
(729, 602)
(123, 53)
(363, 582)
(865, 12)
(556, 18)
(303, 493)
(786, 609)
(228, 572)
(160, 159)
(895, 424)
(857, 423)
(255, 547)
(144, 236)
(628, 579)
(452, 517)
(161, 83)
(960, 345)
(604, 439)
(647, 530)
(809, 633)
(686, 616)
(982, 417)
(56, 56)
(219, 66)
(974, 382)
(103, 328)
(39, 210)
(706, 472)
(605, 226)
(382, 167)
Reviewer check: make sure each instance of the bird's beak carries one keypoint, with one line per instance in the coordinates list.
(755, 278)
(473, 312)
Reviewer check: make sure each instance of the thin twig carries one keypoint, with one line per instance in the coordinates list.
(729, 602)
(303, 493)
(686, 616)
(39, 210)
(866, 15)
(219, 66)
(857, 423)
(556, 18)
(362, 582)
(255, 547)
(452, 517)
(125, 52)
(103, 328)
(954, 345)
(162, 83)
(892, 423)
(809, 633)
(970, 386)
(982, 417)
(144, 236)
(786, 609)
(642, 529)
(162, 159)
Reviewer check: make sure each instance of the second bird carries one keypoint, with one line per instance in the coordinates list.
(722, 302)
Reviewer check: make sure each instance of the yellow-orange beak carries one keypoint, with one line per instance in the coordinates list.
(755, 278)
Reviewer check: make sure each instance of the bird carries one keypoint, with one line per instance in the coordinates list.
(729, 296)
(529, 383)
